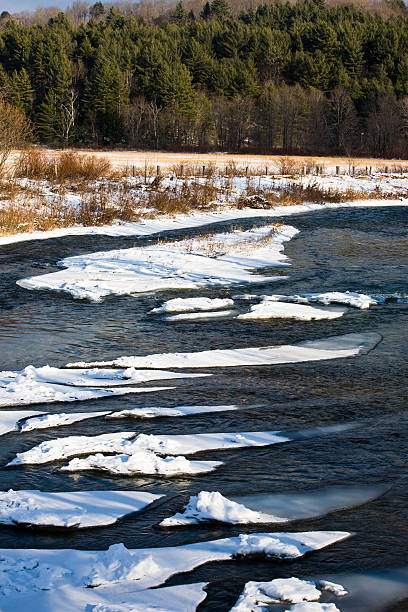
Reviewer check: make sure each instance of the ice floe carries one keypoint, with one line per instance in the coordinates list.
(193, 305)
(334, 347)
(348, 298)
(46, 384)
(271, 507)
(257, 596)
(333, 587)
(161, 411)
(57, 420)
(268, 309)
(140, 462)
(222, 259)
(47, 580)
(70, 508)
(9, 419)
(129, 443)
(192, 316)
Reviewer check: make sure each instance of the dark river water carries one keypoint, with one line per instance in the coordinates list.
(347, 249)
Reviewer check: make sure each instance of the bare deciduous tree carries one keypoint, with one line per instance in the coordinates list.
(15, 130)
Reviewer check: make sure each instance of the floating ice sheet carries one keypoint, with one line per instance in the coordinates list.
(192, 316)
(45, 580)
(70, 509)
(194, 304)
(223, 259)
(161, 411)
(129, 443)
(272, 507)
(334, 347)
(140, 462)
(46, 384)
(9, 419)
(348, 298)
(57, 420)
(279, 310)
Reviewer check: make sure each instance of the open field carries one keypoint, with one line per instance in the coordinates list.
(166, 161)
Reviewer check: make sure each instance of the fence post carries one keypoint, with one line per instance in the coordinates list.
(181, 170)
(133, 171)
(317, 170)
(266, 171)
(353, 170)
(337, 170)
(203, 170)
(246, 171)
(157, 170)
(370, 170)
(386, 169)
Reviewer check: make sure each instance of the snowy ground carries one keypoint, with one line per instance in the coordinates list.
(47, 580)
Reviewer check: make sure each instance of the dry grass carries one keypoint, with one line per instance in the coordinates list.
(70, 166)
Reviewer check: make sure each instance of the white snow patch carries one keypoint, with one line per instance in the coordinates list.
(279, 310)
(334, 347)
(348, 298)
(30, 387)
(141, 462)
(314, 606)
(9, 419)
(58, 420)
(333, 587)
(257, 595)
(212, 506)
(192, 316)
(223, 259)
(129, 443)
(161, 411)
(70, 509)
(56, 579)
(192, 305)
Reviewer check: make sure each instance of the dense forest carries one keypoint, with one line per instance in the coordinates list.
(290, 77)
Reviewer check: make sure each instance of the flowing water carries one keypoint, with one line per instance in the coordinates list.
(347, 249)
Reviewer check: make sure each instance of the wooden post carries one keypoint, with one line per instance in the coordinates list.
(133, 170)
(266, 170)
(158, 171)
(337, 170)
(353, 170)
(366, 170)
(317, 170)
(246, 171)
(203, 170)
(181, 170)
(370, 170)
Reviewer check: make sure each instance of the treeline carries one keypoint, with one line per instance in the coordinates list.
(302, 77)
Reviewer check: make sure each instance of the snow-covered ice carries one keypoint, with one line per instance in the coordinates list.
(194, 304)
(140, 462)
(281, 590)
(271, 507)
(334, 347)
(45, 580)
(161, 411)
(9, 419)
(348, 298)
(304, 594)
(58, 420)
(192, 316)
(70, 508)
(222, 259)
(280, 310)
(333, 587)
(129, 443)
(47, 385)
(25, 388)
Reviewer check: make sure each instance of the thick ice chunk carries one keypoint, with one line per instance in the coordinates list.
(129, 443)
(257, 595)
(192, 316)
(57, 420)
(141, 462)
(193, 305)
(9, 419)
(70, 508)
(348, 298)
(280, 310)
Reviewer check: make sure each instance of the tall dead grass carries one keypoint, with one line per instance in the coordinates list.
(70, 166)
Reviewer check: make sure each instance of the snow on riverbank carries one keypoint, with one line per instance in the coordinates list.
(129, 443)
(257, 596)
(47, 580)
(334, 347)
(222, 259)
(271, 507)
(70, 508)
(46, 385)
